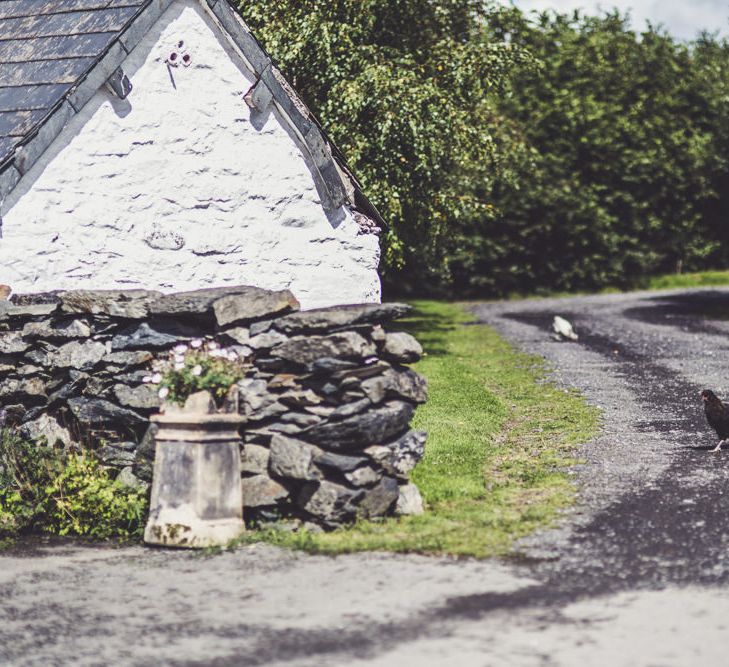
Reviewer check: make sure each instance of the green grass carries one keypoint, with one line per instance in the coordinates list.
(500, 439)
(665, 281)
(678, 280)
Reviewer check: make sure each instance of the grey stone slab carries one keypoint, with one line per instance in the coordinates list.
(28, 154)
(292, 459)
(142, 23)
(9, 310)
(130, 304)
(254, 303)
(400, 457)
(379, 500)
(80, 355)
(97, 76)
(335, 185)
(7, 146)
(319, 149)
(144, 396)
(14, 8)
(336, 317)
(329, 502)
(199, 302)
(262, 491)
(9, 178)
(409, 501)
(307, 349)
(371, 427)
(254, 459)
(242, 36)
(43, 71)
(47, 429)
(19, 98)
(12, 343)
(259, 96)
(126, 3)
(18, 123)
(340, 462)
(402, 348)
(98, 412)
(288, 101)
(394, 383)
(49, 48)
(144, 336)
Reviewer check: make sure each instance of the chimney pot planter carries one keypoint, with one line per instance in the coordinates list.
(196, 490)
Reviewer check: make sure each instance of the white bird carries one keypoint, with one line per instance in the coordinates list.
(563, 328)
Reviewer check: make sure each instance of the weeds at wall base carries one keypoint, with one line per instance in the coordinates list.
(49, 490)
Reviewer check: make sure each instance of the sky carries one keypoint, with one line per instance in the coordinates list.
(682, 18)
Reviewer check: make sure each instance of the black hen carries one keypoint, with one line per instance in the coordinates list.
(717, 414)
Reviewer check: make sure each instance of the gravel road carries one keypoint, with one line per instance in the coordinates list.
(636, 574)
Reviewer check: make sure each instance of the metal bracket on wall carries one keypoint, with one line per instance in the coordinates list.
(259, 96)
(119, 83)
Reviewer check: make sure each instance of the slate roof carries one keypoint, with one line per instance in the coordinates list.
(55, 54)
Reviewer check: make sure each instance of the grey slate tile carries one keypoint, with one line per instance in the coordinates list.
(7, 145)
(43, 71)
(73, 23)
(20, 8)
(127, 3)
(22, 98)
(9, 177)
(19, 123)
(52, 48)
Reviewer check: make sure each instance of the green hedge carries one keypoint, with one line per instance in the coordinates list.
(514, 153)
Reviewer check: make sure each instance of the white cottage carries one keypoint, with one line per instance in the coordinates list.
(153, 144)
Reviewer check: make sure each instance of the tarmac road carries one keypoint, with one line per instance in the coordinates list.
(637, 574)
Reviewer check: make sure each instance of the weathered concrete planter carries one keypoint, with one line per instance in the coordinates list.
(196, 490)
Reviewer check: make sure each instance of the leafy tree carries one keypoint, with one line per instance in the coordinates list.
(514, 153)
(711, 56)
(616, 174)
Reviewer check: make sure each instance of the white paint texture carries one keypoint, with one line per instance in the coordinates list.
(176, 188)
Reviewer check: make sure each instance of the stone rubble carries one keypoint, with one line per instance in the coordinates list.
(328, 397)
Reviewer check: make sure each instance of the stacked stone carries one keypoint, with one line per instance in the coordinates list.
(328, 397)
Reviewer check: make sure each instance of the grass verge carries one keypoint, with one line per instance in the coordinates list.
(687, 280)
(500, 439)
(665, 281)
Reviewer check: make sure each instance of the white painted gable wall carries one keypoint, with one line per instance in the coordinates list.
(176, 189)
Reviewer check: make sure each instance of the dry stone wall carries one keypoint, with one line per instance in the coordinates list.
(328, 397)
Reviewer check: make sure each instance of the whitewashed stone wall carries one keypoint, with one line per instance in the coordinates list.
(179, 188)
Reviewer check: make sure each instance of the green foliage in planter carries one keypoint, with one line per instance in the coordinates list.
(208, 368)
(49, 490)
